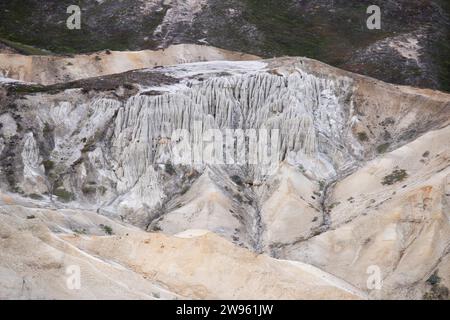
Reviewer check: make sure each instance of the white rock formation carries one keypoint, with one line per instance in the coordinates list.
(361, 178)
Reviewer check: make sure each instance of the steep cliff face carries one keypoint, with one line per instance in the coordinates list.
(349, 157)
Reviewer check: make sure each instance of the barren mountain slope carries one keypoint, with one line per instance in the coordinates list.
(394, 213)
(360, 178)
(39, 246)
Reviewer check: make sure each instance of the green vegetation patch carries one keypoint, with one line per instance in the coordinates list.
(115, 25)
(80, 231)
(397, 175)
(362, 136)
(24, 49)
(315, 33)
(383, 148)
(64, 195)
(437, 291)
(107, 229)
(35, 196)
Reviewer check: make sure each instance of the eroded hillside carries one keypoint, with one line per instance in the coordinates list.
(361, 180)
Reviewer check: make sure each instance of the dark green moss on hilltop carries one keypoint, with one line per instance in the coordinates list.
(397, 175)
(292, 29)
(107, 25)
(441, 54)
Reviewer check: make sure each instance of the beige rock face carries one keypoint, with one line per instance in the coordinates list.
(45, 246)
(35, 262)
(56, 69)
(292, 210)
(403, 228)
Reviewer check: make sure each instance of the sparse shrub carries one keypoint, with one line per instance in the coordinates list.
(383, 147)
(80, 231)
(442, 292)
(397, 175)
(17, 189)
(107, 229)
(35, 196)
(236, 179)
(362, 136)
(156, 295)
(387, 122)
(434, 279)
(47, 128)
(64, 195)
(102, 190)
(88, 190)
(333, 205)
(48, 165)
(321, 185)
(437, 291)
(169, 169)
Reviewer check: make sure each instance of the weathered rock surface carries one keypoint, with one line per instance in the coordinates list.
(361, 178)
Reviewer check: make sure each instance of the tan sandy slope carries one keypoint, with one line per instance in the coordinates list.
(55, 69)
(38, 245)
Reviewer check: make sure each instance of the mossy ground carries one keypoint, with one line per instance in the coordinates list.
(43, 25)
(283, 27)
(321, 35)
